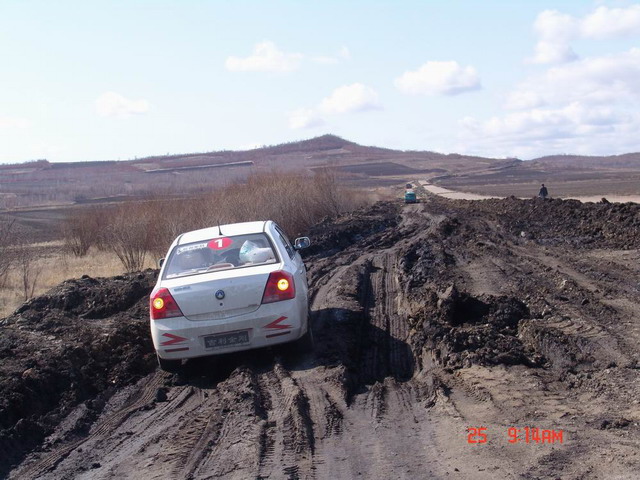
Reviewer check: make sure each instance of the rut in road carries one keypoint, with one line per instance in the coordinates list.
(383, 348)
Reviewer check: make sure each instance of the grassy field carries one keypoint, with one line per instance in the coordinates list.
(53, 265)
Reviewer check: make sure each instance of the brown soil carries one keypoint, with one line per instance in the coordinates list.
(431, 320)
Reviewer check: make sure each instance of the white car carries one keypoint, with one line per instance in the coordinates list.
(229, 288)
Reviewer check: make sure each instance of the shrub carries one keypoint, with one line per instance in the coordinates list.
(84, 229)
(127, 234)
(132, 229)
(7, 256)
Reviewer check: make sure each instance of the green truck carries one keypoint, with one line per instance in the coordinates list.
(410, 197)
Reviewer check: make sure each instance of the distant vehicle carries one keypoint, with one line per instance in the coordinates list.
(410, 197)
(229, 288)
(409, 185)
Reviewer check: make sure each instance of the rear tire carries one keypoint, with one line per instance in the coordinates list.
(171, 366)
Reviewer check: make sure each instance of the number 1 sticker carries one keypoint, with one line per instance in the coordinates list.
(220, 243)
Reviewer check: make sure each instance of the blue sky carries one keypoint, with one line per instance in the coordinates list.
(93, 80)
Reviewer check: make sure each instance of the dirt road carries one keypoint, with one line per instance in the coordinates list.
(446, 333)
(461, 195)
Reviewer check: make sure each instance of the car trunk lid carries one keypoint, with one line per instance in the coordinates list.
(219, 295)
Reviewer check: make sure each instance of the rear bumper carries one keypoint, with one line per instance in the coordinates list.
(272, 324)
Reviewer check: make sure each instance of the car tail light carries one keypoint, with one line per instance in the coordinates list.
(163, 305)
(280, 286)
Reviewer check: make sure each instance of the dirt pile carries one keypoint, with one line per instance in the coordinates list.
(556, 221)
(460, 330)
(428, 319)
(58, 350)
(332, 236)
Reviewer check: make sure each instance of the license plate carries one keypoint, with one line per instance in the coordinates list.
(227, 339)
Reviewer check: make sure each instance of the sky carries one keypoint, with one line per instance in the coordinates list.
(117, 80)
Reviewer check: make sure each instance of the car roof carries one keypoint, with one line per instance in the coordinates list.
(228, 230)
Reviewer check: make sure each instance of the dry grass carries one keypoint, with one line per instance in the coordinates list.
(55, 266)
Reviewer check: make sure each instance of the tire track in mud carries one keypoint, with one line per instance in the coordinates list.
(168, 435)
(381, 394)
(383, 351)
(582, 312)
(159, 415)
(135, 403)
(577, 314)
(287, 438)
(197, 436)
(229, 445)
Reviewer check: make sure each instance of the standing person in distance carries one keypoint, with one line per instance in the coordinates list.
(543, 193)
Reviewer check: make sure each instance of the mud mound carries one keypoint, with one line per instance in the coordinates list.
(555, 221)
(334, 235)
(424, 262)
(580, 224)
(462, 330)
(56, 353)
(89, 297)
(561, 351)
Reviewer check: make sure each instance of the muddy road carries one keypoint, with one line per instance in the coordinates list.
(454, 339)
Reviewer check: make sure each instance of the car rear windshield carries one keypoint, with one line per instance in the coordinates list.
(222, 253)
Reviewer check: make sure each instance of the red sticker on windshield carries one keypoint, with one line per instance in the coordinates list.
(220, 243)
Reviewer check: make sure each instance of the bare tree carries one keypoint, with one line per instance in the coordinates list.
(28, 268)
(7, 255)
(128, 235)
(83, 229)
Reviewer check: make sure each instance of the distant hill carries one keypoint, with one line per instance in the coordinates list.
(44, 183)
(627, 160)
(321, 144)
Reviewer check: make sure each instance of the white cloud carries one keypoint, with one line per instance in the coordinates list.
(304, 118)
(345, 99)
(596, 80)
(553, 52)
(611, 22)
(556, 30)
(266, 57)
(548, 122)
(553, 25)
(573, 128)
(350, 98)
(111, 104)
(583, 106)
(14, 122)
(439, 78)
(525, 96)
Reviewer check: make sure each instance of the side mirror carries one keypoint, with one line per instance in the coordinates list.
(160, 262)
(301, 242)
